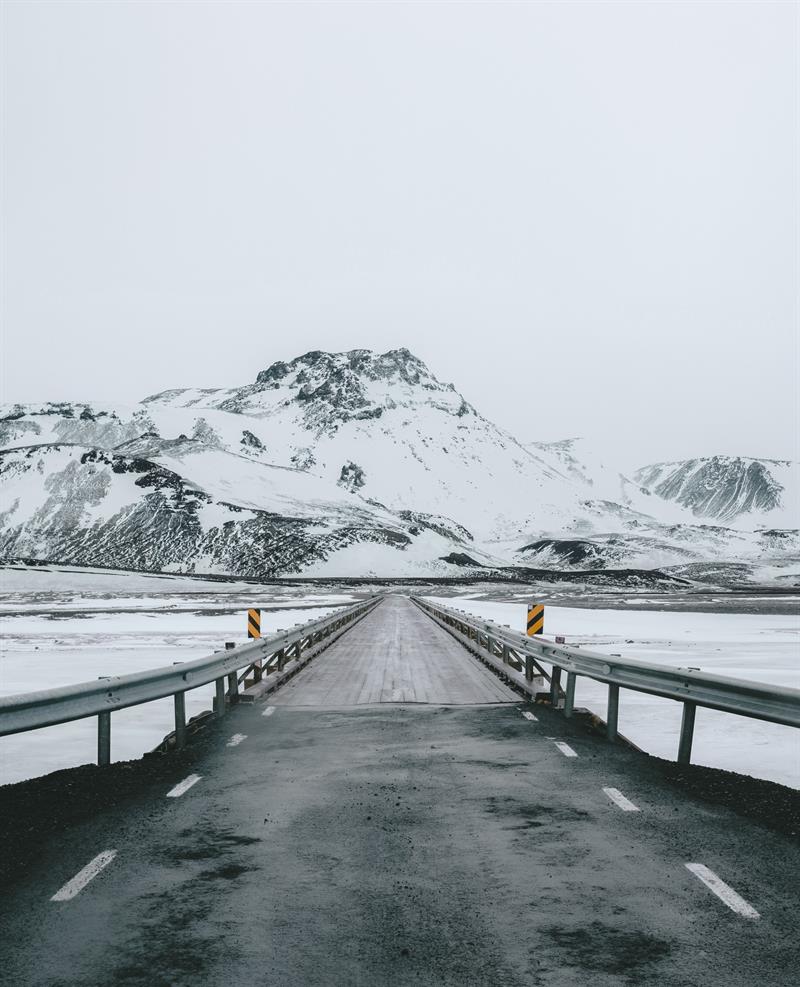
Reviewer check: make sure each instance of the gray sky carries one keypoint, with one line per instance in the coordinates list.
(584, 215)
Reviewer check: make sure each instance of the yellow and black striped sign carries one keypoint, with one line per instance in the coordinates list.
(535, 619)
(254, 623)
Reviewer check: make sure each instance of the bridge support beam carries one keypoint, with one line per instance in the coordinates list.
(528, 668)
(612, 716)
(180, 720)
(569, 705)
(220, 697)
(555, 686)
(687, 733)
(103, 739)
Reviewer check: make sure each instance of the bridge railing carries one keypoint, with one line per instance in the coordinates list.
(279, 654)
(519, 658)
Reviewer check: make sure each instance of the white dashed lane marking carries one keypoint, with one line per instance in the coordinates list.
(565, 749)
(723, 891)
(529, 716)
(268, 711)
(617, 797)
(183, 786)
(236, 739)
(82, 878)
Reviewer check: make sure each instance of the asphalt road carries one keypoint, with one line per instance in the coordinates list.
(347, 843)
(404, 845)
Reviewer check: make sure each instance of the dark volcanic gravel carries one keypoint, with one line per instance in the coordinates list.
(33, 813)
(774, 806)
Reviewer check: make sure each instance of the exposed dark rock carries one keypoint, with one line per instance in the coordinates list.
(272, 374)
(568, 551)
(444, 526)
(304, 459)
(461, 559)
(352, 477)
(250, 441)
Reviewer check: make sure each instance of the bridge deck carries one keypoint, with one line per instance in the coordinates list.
(395, 655)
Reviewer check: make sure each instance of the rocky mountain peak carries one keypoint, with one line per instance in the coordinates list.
(318, 367)
(332, 388)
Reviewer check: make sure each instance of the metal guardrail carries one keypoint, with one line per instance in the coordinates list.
(270, 654)
(517, 656)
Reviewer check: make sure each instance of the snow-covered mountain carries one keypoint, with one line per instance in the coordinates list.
(729, 488)
(384, 426)
(743, 492)
(333, 464)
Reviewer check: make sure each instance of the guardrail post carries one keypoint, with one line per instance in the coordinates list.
(233, 687)
(569, 705)
(220, 684)
(528, 668)
(103, 739)
(281, 659)
(555, 686)
(612, 716)
(687, 733)
(180, 720)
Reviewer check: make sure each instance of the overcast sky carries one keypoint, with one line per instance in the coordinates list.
(584, 215)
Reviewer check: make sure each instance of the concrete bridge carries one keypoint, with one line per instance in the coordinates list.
(395, 813)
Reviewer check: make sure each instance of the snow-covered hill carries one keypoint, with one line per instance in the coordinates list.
(336, 464)
(729, 488)
(213, 512)
(653, 544)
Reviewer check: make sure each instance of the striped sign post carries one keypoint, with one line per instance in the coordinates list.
(253, 623)
(535, 619)
(254, 633)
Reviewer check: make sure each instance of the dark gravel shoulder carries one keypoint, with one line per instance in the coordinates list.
(35, 813)
(776, 807)
(766, 803)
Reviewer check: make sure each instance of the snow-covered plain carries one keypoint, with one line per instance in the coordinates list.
(763, 648)
(59, 636)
